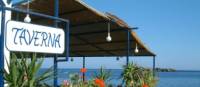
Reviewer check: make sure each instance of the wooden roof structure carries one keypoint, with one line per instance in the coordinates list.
(88, 29)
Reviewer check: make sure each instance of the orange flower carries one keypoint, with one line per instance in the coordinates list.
(102, 84)
(99, 82)
(145, 85)
(83, 70)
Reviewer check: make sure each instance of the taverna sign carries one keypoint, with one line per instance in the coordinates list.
(28, 37)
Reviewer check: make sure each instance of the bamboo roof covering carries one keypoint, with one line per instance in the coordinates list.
(88, 29)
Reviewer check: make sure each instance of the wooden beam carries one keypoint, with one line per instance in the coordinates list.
(73, 12)
(88, 23)
(61, 14)
(99, 43)
(101, 31)
(100, 50)
(93, 45)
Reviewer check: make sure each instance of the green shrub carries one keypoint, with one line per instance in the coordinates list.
(23, 72)
(136, 76)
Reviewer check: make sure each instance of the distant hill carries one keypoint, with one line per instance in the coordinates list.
(165, 70)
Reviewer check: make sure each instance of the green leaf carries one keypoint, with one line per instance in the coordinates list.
(22, 72)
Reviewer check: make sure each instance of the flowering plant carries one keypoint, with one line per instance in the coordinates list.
(83, 70)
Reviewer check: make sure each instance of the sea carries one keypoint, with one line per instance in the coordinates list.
(165, 79)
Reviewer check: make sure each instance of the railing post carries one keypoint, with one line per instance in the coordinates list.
(154, 66)
(2, 46)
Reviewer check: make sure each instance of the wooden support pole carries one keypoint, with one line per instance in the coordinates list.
(154, 66)
(83, 67)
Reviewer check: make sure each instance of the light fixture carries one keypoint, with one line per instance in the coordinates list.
(117, 58)
(136, 49)
(27, 18)
(109, 38)
(72, 59)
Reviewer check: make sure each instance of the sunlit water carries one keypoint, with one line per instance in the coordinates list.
(179, 79)
(165, 79)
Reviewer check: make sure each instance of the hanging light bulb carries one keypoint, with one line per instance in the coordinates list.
(136, 49)
(109, 38)
(27, 18)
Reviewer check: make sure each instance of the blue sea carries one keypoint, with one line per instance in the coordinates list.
(165, 79)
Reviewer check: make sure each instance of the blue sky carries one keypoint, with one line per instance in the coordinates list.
(170, 28)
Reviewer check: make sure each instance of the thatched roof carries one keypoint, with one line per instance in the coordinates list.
(88, 29)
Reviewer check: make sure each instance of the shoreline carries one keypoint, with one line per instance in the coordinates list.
(122, 69)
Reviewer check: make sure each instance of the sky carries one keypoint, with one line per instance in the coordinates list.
(170, 28)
